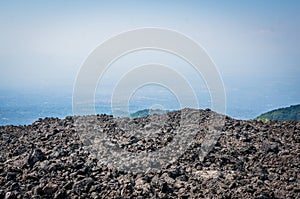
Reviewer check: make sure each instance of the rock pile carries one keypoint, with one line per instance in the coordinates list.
(251, 159)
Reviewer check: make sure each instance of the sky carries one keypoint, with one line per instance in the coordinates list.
(254, 44)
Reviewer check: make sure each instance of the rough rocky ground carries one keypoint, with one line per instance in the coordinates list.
(251, 159)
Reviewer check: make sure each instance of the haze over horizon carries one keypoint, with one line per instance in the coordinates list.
(253, 44)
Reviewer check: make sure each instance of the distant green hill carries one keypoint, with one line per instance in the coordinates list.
(147, 112)
(282, 114)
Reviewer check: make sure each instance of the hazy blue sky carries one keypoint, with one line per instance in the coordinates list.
(254, 43)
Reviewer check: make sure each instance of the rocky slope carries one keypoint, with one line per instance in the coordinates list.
(251, 159)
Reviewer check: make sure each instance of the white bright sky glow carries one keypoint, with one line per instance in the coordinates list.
(253, 43)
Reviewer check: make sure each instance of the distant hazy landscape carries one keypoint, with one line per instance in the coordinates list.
(253, 45)
(25, 107)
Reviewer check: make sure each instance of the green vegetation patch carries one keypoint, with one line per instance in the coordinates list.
(282, 114)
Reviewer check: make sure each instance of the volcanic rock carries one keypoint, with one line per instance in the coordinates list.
(62, 158)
